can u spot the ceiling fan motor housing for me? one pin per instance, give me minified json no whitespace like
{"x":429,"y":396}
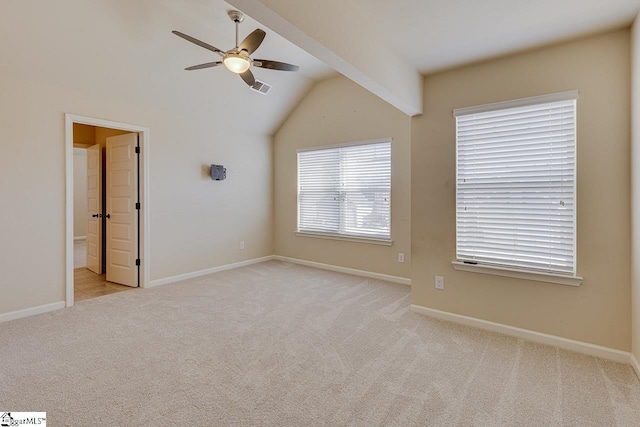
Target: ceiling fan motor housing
{"x":236,"y":16}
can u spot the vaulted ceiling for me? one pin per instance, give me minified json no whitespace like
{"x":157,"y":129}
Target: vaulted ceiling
{"x":123,"y":49}
{"x":386,"y":46}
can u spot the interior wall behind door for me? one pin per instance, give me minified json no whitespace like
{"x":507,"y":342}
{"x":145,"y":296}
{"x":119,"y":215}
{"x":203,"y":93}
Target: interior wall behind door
{"x":79,"y":192}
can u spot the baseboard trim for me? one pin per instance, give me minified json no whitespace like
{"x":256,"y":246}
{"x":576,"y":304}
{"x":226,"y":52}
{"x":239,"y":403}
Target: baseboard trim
{"x":529,"y":335}
{"x":369,"y":274}
{"x":19,"y":314}
{"x":635,"y":364}
{"x":79,"y":237}
{"x":185,"y":276}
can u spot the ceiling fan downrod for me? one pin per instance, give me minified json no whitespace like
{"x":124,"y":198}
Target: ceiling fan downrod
{"x":237,"y":17}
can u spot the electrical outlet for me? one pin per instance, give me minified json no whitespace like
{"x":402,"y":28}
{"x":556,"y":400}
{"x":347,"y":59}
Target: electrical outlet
{"x":242,"y":245}
{"x":440,"y":282}
{"x":400,"y":257}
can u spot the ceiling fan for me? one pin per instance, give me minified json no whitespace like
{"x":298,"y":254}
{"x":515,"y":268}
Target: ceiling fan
{"x":238,"y":59}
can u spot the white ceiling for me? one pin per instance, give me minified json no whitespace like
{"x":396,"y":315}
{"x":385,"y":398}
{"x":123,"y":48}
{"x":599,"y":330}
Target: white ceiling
{"x":111,"y":48}
{"x":209,"y":18}
{"x":439,"y":34}
{"x":430,"y":34}
{"x":123,"y":49}
{"x":379,"y":43}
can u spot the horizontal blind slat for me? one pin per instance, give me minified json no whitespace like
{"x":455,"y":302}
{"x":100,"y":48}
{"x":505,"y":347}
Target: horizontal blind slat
{"x":516,"y":187}
{"x":346,"y":190}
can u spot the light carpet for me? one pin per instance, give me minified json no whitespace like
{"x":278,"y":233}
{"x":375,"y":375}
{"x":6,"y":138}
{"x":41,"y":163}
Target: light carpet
{"x":287,"y":345}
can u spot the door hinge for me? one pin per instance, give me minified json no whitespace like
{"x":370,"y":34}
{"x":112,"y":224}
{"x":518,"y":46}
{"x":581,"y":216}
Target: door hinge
{"x":138,"y":205}
{"x":137,"y":150}
{"x":138,"y":261}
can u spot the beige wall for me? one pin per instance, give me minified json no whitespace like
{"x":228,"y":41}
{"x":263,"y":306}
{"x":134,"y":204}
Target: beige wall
{"x":338,"y":110}
{"x":79,"y":192}
{"x":599,"y":310}
{"x":195,"y":223}
{"x":635,"y":185}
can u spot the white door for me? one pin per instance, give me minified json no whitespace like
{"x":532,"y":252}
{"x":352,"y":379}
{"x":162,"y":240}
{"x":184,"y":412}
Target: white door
{"x":121,"y":215}
{"x":94,"y":208}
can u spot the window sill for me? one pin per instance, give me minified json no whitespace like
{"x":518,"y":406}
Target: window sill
{"x":369,"y":240}
{"x":518,"y":274}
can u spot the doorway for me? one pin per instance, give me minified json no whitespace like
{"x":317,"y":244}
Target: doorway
{"x":107,"y":230}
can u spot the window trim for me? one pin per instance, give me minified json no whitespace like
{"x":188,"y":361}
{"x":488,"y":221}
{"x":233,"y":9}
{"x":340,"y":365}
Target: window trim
{"x":517,"y":273}
{"x":346,"y":238}
{"x":515,"y":103}
{"x":337,"y":236}
{"x":570,"y":279}
{"x":345,"y":144}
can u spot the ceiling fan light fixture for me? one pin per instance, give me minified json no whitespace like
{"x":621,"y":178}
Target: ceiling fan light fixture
{"x":238,"y":59}
{"x":236,"y":63}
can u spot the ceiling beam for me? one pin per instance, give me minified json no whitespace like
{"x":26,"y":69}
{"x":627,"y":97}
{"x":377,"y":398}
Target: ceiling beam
{"x":340,"y":38}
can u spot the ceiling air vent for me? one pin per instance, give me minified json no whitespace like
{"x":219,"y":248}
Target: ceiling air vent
{"x":261,"y":87}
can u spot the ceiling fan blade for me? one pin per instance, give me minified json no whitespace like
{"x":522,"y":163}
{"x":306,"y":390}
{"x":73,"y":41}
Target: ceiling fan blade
{"x":198,"y":42}
{"x":201,"y":66}
{"x":274,"y":65}
{"x":248,"y":78}
{"x":252,"y":41}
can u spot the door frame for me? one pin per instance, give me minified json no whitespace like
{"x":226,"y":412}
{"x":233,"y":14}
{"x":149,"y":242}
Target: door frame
{"x":143,"y":174}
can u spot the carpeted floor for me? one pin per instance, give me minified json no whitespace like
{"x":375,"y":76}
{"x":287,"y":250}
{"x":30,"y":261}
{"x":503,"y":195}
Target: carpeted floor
{"x":281,"y":344}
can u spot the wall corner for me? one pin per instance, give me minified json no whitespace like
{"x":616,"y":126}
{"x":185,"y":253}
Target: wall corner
{"x":635,"y":192}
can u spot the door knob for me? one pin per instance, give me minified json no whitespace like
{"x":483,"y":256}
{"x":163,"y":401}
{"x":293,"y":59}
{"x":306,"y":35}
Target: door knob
{"x":96,"y":215}
{"x":107,"y":216}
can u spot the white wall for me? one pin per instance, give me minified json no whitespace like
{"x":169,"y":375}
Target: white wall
{"x":113,"y":60}
{"x":79,"y":192}
{"x":635,"y":189}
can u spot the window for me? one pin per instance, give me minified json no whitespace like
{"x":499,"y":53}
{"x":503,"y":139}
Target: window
{"x":516,"y":184}
{"x":345,"y":190}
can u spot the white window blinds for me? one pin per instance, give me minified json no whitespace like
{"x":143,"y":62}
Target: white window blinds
{"x":346,"y":190}
{"x":516,"y":186}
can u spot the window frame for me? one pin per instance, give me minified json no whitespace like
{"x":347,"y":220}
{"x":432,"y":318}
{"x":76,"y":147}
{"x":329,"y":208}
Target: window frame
{"x":345,"y":236}
{"x":569,"y":278}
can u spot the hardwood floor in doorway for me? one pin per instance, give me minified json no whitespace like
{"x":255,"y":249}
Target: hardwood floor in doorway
{"x":88,"y":284}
